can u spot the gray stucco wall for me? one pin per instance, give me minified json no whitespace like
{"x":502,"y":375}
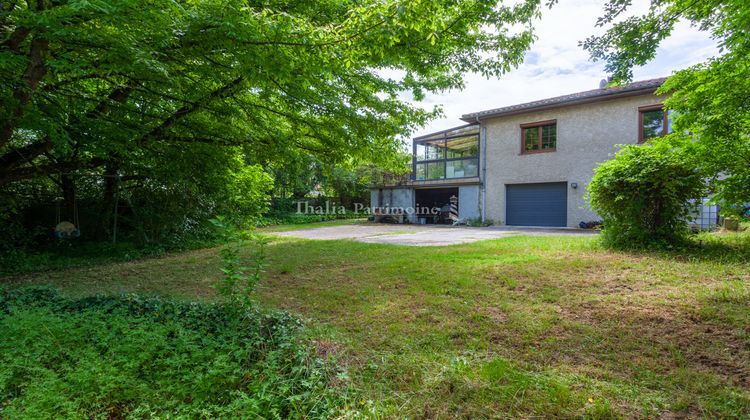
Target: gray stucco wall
{"x":586,"y":136}
{"x":374,"y":197}
{"x":393,"y":197}
{"x":468,"y":202}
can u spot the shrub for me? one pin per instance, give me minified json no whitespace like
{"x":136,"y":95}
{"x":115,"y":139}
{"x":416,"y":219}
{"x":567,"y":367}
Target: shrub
{"x":238,"y":280}
{"x":129,"y":356}
{"x":644,"y":194}
{"x":477,"y":222}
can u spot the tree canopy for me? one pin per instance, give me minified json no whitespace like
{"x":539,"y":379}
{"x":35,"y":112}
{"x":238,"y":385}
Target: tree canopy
{"x":184,"y":109}
{"x":711,"y":99}
{"x":130,"y":82}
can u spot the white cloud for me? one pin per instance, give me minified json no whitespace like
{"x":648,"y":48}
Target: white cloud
{"x":556,"y":65}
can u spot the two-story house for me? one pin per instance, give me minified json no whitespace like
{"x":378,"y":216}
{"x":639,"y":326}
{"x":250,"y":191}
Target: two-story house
{"x":527,"y":164}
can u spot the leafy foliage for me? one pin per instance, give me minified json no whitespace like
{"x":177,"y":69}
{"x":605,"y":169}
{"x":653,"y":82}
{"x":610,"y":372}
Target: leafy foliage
{"x":129,"y":356}
{"x":98,"y":81}
{"x":160,"y":104}
{"x":643,"y":195}
{"x":710,"y":99}
{"x":348,"y":182}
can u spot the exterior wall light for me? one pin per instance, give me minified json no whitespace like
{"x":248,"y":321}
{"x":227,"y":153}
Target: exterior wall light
{"x":574,"y":185}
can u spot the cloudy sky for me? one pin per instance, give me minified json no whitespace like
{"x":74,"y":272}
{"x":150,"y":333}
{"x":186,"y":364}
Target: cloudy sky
{"x":556,"y":65}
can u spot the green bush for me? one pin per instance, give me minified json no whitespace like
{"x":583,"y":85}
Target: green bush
{"x":644,"y":194}
{"x":129,"y":356}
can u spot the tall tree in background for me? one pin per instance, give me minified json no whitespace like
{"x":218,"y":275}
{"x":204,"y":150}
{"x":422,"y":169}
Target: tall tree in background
{"x":712,"y":99}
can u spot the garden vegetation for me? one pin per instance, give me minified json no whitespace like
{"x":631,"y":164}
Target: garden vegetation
{"x":711,"y":126}
{"x":126,"y":356}
{"x":646,"y":194}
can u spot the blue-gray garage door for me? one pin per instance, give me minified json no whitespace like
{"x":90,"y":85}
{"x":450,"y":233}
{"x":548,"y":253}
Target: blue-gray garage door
{"x":536,"y":204}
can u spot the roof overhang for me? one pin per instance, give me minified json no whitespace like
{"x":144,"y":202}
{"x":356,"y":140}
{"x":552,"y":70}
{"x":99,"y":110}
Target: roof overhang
{"x":564,"y":101}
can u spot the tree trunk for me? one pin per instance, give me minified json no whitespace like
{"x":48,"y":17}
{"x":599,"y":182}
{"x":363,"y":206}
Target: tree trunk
{"x":69,"y":198}
{"x":109,"y":192}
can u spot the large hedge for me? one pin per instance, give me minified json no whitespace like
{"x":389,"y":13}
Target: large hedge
{"x":644,"y":195}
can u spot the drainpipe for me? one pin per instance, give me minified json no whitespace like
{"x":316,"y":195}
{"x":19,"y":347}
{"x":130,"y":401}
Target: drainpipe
{"x":483,"y":151}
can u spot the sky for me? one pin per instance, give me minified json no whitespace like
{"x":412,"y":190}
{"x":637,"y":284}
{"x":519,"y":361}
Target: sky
{"x":556,"y":65}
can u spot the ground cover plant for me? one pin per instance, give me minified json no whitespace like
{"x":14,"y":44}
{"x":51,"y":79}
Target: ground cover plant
{"x":519,"y":326}
{"x":126,"y":356}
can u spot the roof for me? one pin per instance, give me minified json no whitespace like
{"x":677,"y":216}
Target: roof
{"x":635,"y":88}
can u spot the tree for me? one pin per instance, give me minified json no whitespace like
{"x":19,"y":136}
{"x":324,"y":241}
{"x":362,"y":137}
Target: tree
{"x":88,"y":84}
{"x":710,"y":100}
{"x":157,"y":96}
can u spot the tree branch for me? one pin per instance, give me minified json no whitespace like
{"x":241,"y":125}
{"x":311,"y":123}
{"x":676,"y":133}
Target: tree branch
{"x":30,"y":172}
{"x":13,"y":42}
{"x":35,"y":70}
{"x":16,"y":157}
{"x":188,"y":109}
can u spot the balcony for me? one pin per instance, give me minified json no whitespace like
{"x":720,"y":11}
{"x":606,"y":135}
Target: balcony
{"x":447,"y":156}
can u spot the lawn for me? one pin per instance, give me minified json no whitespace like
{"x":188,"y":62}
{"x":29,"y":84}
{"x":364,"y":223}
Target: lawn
{"x":518,"y":326}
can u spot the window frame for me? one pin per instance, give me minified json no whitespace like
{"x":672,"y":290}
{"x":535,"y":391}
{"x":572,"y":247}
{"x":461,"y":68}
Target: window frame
{"x":539,"y":124}
{"x":445,"y":159}
{"x":664,"y":123}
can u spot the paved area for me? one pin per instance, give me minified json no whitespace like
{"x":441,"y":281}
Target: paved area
{"x":421,"y":235}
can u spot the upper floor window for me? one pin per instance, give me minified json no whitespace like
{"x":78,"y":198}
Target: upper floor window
{"x":653,"y":121}
{"x":539,"y":137}
{"x":453,"y":153}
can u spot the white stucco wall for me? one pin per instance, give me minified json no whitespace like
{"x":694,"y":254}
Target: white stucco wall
{"x":586,"y":136}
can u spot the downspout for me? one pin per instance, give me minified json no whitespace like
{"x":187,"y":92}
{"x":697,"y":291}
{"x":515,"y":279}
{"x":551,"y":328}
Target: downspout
{"x":483,"y":151}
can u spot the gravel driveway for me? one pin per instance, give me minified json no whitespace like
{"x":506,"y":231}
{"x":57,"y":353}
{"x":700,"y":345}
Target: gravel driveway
{"x":421,"y":235}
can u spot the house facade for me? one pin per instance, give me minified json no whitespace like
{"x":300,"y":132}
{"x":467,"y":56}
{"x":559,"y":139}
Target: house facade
{"x":526,"y":164}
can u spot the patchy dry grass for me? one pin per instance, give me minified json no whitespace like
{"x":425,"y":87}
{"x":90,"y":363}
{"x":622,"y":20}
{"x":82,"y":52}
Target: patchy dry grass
{"x":519,"y":326}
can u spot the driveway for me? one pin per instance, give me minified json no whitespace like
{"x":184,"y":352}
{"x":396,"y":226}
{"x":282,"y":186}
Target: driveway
{"x":422,"y":235}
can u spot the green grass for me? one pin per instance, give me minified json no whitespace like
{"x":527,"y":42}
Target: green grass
{"x":65,"y":254}
{"x":518,"y":326}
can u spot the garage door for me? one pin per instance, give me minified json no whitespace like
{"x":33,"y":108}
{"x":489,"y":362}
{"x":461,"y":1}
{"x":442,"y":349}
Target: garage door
{"x":537,"y":204}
